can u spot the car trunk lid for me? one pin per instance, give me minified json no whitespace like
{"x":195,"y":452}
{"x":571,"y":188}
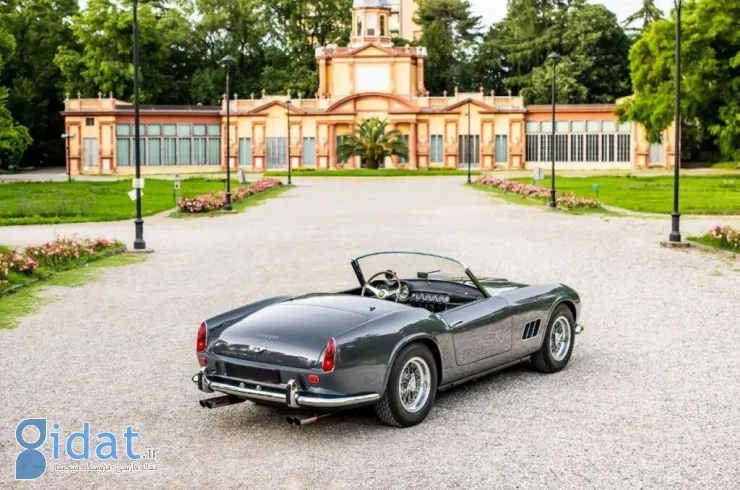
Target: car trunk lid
{"x":290,"y":334}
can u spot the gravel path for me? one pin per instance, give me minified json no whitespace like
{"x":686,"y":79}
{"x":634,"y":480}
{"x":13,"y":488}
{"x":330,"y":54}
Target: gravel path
{"x":650,"y":399}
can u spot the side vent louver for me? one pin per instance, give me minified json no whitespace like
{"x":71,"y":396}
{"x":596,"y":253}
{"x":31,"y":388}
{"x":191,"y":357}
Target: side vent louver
{"x":531,"y":330}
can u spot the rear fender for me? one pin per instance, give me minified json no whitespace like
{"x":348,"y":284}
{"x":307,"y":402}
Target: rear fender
{"x":427,"y":339}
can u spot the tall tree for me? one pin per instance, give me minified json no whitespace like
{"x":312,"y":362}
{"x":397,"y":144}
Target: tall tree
{"x":710,"y":74}
{"x":39,"y":27}
{"x":647,"y":14}
{"x":531,"y":30}
{"x":239,"y":28}
{"x":103,"y":60}
{"x":595,"y":66}
{"x":296,"y":28}
{"x":449,"y":32}
{"x":14,"y":138}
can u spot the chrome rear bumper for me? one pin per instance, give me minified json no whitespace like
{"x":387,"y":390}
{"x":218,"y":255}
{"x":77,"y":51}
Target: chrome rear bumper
{"x":290,"y":396}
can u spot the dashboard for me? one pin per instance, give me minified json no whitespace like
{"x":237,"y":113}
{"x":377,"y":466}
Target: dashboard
{"x":432,"y":295}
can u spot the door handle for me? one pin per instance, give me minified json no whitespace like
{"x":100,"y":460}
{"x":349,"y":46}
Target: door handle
{"x":459,"y":322}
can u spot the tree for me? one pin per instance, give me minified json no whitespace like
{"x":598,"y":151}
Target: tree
{"x":710,"y":74}
{"x":14,"y":138}
{"x":35,"y":96}
{"x":593,"y":46}
{"x":531,"y":30}
{"x":372,"y":142}
{"x":647,"y":14}
{"x":449,"y":32}
{"x":104,"y":62}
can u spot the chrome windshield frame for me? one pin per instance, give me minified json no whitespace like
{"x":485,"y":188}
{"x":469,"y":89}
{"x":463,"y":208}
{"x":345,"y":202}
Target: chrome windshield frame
{"x":360,"y":277}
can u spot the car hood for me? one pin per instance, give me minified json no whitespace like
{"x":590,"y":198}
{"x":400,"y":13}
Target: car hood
{"x":294,"y":333}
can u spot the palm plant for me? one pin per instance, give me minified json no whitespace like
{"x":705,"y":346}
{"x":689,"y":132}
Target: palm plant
{"x":373,"y":142}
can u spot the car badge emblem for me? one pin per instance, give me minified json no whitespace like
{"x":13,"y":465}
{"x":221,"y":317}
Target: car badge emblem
{"x":381,"y":293}
{"x":256,"y":348}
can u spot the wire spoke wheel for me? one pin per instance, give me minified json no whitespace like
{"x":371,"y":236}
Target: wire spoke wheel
{"x":414,"y":384}
{"x":560,"y":338}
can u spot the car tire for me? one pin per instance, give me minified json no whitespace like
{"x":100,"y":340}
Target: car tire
{"x":401,"y":406}
{"x":554,"y":355}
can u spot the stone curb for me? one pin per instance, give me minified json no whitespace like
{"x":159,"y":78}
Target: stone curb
{"x":699,"y":246}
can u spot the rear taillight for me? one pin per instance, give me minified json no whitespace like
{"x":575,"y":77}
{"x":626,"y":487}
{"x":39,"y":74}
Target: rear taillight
{"x":329,"y":354}
{"x":200,"y":343}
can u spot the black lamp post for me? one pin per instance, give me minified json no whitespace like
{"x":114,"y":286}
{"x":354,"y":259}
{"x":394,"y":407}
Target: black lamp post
{"x":227,"y":61}
{"x":139,"y":243}
{"x":66,"y":137}
{"x":555,"y":57}
{"x":675,"y":235}
{"x":289,"y":163}
{"x":469,"y":138}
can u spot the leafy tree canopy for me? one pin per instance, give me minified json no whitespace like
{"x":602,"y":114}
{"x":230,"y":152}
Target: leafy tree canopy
{"x":710,"y":74}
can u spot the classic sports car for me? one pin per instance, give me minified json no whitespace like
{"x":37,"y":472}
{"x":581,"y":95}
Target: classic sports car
{"x":417,"y":324}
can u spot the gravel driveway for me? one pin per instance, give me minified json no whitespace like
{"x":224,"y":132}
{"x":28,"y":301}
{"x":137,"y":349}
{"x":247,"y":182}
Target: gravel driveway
{"x":650,"y":399}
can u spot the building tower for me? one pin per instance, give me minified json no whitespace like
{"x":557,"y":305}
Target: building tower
{"x":371,"y":23}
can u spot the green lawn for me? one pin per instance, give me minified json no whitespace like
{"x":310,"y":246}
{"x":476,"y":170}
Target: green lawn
{"x":28,"y":299}
{"x":715,"y":194}
{"x":26,"y":203}
{"x":363,"y":172}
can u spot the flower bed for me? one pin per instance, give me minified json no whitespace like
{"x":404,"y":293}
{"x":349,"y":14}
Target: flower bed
{"x":724,"y":237}
{"x":212,"y":202}
{"x":19,"y":266}
{"x":530,"y":191}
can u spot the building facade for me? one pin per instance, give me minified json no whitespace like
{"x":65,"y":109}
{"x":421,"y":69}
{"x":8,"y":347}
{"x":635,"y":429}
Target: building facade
{"x":368,"y":78}
{"x":402,"y":19}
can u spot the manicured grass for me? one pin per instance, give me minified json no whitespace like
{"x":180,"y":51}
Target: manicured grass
{"x":28,"y":300}
{"x":525,"y":201}
{"x":363,"y":172}
{"x":715,"y":194}
{"x":28,"y":203}
{"x":238,"y":206}
{"x":727,"y":165}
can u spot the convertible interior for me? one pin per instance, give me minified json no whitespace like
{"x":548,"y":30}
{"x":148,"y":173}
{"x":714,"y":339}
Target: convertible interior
{"x":435,"y":295}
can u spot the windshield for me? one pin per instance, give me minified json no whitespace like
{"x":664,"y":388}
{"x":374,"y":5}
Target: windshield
{"x":412,"y":265}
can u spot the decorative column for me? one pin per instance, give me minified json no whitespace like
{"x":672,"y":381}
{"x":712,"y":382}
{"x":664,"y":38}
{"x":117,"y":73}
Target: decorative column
{"x":322,"y":77}
{"x":420,"y":76}
{"x":332,"y":146}
{"x":413,"y":163}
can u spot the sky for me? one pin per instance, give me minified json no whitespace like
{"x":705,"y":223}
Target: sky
{"x":494,"y":10}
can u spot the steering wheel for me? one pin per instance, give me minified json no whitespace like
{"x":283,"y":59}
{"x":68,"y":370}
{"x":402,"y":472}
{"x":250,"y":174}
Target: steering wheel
{"x":382,"y":293}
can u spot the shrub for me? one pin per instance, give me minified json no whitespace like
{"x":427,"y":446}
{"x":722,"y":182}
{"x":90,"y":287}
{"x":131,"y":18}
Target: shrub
{"x":211,"y":202}
{"x":536,"y":192}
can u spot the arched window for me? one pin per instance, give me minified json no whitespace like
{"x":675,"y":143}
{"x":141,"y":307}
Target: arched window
{"x":382,"y":25}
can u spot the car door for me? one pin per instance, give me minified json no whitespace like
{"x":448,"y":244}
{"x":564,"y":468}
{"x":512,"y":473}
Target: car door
{"x":480,"y":330}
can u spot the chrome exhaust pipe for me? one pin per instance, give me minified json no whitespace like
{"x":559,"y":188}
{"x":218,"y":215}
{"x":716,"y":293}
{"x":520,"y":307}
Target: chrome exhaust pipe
{"x":579,"y":328}
{"x":220,"y":401}
{"x":310,"y":420}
